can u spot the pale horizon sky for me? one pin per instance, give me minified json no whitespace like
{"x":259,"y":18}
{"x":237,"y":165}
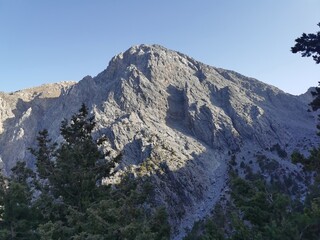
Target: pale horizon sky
{"x":52,"y":41}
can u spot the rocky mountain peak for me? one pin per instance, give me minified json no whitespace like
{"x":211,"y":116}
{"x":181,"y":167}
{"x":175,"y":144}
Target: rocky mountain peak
{"x":183,"y":117}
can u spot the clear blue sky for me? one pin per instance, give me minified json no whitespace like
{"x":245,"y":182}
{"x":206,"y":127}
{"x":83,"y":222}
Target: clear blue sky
{"x":44,"y":41}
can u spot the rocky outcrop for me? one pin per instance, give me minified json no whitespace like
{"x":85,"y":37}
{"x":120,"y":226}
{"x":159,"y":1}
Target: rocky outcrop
{"x":161,"y":107}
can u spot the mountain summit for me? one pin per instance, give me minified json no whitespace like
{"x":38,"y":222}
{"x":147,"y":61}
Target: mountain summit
{"x":184,"y":118}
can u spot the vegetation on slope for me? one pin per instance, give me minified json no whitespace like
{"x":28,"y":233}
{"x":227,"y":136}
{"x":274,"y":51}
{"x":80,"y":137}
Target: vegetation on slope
{"x":65,"y":198}
{"x":260,"y":209}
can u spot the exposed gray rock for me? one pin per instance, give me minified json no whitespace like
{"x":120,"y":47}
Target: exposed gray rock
{"x":161,"y":106}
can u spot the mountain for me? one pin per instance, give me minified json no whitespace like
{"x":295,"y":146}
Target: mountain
{"x":182,"y":118}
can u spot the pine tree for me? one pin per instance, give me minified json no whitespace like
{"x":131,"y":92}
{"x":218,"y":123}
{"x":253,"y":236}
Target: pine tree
{"x":308,"y":45}
{"x":80,"y":166}
{"x":19,"y":219}
{"x":44,"y":155}
{"x":65,"y":197}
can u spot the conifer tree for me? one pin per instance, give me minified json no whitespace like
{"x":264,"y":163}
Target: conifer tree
{"x":65,"y":198}
{"x":72,"y":171}
{"x":19,"y":219}
{"x":308,"y":45}
{"x":44,"y":155}
{"x":80,"y":166}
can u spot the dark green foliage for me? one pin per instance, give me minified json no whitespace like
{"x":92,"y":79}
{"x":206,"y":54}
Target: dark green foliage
{"x":242,"y":164}
{"x":259,"y":211}
{"x":73,"y":171}
{"x":207,"y":230}
{"x":3,"y":187}
{"x":212,"y":228}
{"x":125,"y":215}
{"x":297,"y":157}
{"x":259,"y":205}
{"x":311,"y":163}
{"x":315,"y":104}
{"x":44,"y":155}
{"x":19,"y":218}
{"x":65,"y":198}
{"x":122,"y":213}
{"x":281,"y":153}
{"x":308,"y":45}
{"x":233,"y":160}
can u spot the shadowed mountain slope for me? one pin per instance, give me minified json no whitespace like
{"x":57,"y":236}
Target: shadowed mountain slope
{"x":164,"y":108}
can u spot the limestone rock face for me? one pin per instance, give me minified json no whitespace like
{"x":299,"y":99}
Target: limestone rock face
{"x":161,"y":107}
{"x":22,"y":114}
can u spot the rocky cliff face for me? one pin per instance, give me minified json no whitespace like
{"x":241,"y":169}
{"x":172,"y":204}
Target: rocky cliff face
{"x":183,"y":118}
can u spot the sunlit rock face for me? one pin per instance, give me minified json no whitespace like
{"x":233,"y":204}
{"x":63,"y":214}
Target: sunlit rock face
{"x":182,"y":117}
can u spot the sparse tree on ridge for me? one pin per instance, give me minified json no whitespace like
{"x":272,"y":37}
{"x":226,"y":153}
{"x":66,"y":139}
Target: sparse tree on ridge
{"x":308,"y":45}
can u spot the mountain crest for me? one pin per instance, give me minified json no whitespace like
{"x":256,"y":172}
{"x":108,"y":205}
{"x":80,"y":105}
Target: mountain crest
{"x":160,"y":106}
